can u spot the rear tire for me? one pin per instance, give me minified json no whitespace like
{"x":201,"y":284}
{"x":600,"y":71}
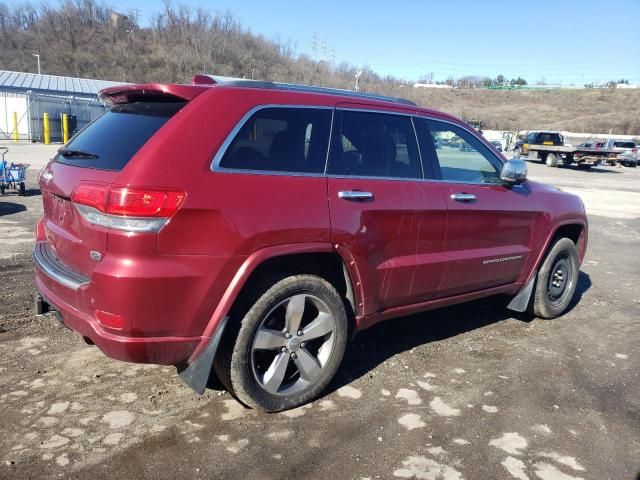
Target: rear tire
{"x":556,"y":280}
{"x":287,"y":347}
{"x":551,"y":160}
{"x":22,"y":190}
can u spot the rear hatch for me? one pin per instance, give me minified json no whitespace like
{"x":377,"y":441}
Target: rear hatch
{"x":81,"y":175}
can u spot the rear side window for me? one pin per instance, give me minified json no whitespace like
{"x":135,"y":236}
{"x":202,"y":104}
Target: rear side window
{"x":624,"y":145}
{"x":281,"y":139}
{"x":375,"y":145}
{"x":113,"y":139}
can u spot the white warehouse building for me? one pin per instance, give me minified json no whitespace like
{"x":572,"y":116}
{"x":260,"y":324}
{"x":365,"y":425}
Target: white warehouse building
{"x":30,"y":95}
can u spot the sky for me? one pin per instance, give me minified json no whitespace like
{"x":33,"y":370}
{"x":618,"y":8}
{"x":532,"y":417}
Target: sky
{"x":558,"y":41}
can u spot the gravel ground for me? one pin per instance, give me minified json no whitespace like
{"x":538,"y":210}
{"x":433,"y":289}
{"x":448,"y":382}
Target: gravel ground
{"x":470,"y":391}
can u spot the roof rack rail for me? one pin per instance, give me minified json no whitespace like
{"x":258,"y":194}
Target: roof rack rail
{"x":201,"y":79}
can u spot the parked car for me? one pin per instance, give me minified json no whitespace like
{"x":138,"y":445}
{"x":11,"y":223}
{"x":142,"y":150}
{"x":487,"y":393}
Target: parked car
{"x":537,"y":138}
{"x":497,"y":144}
{"x":628,"y":157}
{"x":252,"y":243}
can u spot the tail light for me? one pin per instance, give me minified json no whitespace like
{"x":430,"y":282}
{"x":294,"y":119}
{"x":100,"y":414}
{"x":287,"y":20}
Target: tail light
{"x":125,"y":208}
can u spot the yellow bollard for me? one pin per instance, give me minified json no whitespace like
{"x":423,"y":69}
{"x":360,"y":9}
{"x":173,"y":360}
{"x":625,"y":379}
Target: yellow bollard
{"x":47,"y":133}
{"x":15,"y":127}
{"x":65,"y":128}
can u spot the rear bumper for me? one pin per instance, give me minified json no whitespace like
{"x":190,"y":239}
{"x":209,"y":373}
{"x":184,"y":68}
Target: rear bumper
{"x":70,"y":295}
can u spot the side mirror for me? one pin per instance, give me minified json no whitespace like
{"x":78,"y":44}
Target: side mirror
{"x":514,"y":172}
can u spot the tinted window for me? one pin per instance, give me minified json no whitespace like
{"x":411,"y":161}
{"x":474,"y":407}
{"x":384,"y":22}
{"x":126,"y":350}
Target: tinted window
{"x":624,"y":145}
{"x":115,"y":137}
{"x":281,"y":140}
{"x":461,"y":156}
{"x":548,"y":137}
{"x":375,"y":145}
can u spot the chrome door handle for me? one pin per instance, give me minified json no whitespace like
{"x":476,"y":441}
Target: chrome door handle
{"x":355,"y":195}
{"x":463,"y":197}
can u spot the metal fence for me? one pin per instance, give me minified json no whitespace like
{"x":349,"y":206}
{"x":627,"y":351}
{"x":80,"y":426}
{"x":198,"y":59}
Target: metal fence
{"x":31,"y":107}
{"x":84,"y":111}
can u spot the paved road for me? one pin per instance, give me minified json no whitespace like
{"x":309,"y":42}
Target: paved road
{"x":469,"y":392}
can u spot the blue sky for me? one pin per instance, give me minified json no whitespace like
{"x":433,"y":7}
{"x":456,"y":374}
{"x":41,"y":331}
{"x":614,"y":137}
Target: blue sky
{"x":560,"y":41}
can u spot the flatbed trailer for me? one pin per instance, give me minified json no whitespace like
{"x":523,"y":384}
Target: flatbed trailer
{"x":584,"y":157}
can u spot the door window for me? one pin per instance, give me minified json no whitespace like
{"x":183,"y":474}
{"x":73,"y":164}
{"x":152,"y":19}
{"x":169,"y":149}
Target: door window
{"x":281,"y":139}
{"x":461,"y":156}
{"x":375,"y":145}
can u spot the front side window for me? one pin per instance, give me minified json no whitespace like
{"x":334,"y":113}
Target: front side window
{"x":461,"y":156}
{"x":375,"y":145}
{"x":281,"y":139}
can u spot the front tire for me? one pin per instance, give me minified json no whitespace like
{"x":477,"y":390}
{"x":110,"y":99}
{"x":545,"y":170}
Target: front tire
{"x":288,"y":346}
{"x":556,"y":280}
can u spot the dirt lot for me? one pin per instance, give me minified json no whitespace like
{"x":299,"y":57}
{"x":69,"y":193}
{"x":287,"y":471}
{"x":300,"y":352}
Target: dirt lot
{"x":468,"y":392}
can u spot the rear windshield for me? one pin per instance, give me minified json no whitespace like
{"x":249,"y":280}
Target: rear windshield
{"x":113,"y":139}
{"x":548,"y":137}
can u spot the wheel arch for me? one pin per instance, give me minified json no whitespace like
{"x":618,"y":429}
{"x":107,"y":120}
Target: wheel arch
{"x":314,"y":258}
{"x":574,"y":229}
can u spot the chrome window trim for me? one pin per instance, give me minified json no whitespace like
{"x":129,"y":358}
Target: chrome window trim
{"x":215,"y":164}
{"x":326,"y":158}
{"x":415,"y":134}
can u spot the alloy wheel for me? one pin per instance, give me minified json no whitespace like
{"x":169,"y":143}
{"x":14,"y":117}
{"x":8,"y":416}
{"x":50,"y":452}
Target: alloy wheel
{"x":292,"y":344}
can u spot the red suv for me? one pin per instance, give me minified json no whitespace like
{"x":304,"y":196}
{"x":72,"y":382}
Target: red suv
{"x":246,"y":230}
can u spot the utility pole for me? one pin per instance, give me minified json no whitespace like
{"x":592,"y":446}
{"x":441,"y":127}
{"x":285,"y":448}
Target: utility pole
{"x":37,"y":55}
{"x":324,"y":50}
{"x":333,"y":57}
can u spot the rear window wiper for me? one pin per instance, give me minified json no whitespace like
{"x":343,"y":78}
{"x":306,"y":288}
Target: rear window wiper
{"x":70,"y":152}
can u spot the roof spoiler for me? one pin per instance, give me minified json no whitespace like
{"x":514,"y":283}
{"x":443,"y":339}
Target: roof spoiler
{"x":150,"y":92}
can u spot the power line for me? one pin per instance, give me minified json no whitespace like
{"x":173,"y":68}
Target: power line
{"x":314,"y":47}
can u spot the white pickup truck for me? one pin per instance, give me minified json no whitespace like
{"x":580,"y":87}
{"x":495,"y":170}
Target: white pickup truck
{"x":626,"y":152}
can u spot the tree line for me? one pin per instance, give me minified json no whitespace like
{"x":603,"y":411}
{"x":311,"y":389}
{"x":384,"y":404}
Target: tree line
{"x":85,"y":38}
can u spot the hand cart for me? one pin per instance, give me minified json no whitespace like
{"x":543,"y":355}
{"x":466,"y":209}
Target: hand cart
{"x":12,"y":175}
